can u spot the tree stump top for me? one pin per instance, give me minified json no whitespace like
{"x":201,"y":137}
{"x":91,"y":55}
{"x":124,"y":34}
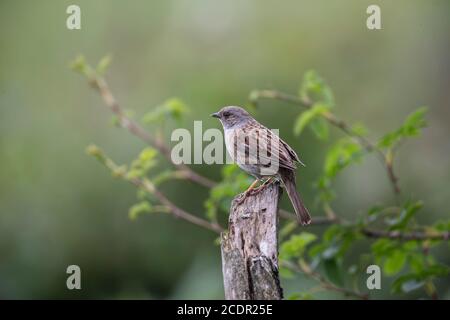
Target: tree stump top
{"x":250,"y":247}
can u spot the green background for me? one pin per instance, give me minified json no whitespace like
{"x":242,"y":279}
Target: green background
{"x":59,"y":207}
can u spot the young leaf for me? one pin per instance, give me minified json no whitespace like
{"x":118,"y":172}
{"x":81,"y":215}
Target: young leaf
{"x":103,"y":64}
{"x":138,"y":209}
{"x":394,"y":262}
{"x":296,"y":245}
{"x":319,"y":127}
{"x":308,"y":116}
{"x":234,"y":181}
{"x":333,"y":271}
{"x":342,"y":154}
{"x":172,"y":108}
{"x":414,"y":122}
{"x":359,"y":129}
{"x":286,"y":273}
{"x":410,"y":127}
{"x":314,"y":89}
{"x":383,"y":247}
{"x":301,"y":296}
{"x":407,"y":283}
{"x":145,"y":161}
{"x":408,"y":211}
{"x":80,"y":65}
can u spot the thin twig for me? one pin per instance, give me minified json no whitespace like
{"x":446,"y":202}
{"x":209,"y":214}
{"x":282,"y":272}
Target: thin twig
{"x":150,"y":188}
{"x":342,"y":125}
{"x":413,"y":235}
{"x":305,"y":268}
{"x":372,"y":233}
{"x":175,"y":210}
{"x":133,"y":127}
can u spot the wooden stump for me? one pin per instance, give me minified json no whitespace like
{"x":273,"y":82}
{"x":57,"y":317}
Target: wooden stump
{"x":250,"y":247}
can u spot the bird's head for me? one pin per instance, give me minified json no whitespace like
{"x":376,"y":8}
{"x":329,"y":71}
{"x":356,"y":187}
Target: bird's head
{"x":232,"y":117}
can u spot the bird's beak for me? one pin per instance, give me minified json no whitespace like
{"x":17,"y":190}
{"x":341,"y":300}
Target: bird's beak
{"x":215,"y":115}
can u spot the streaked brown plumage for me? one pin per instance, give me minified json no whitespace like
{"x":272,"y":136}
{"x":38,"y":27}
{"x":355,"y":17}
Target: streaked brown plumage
{"x":261,"y":153}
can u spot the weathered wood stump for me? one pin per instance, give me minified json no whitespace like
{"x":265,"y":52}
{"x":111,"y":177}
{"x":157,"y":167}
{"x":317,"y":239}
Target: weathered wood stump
{"x":250,"y":247}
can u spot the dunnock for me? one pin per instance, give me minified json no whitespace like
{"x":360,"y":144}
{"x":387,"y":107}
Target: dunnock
{"x":261,"y":153}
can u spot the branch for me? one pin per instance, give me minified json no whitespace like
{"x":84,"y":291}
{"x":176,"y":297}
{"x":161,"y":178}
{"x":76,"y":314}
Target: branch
{"x":405,"y":236}
{"x":150,"y":188}
{"x":371,"y":233}
{"x":307,"y":269}
{"x":97,"y":82}
{"x":338,"y":123}
{"x":174,"y":209}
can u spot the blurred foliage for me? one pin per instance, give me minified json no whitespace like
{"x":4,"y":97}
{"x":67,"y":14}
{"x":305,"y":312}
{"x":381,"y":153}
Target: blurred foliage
{"x":393,"y":255}
{"x":410,"y":128}
{"x":58,"y":209}
{"x":306,"y":252}
{"x":234,"y":180}
{"x":171,"y":109}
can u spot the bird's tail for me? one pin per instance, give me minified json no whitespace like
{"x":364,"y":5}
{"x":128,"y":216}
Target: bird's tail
{"x":302,"y":213}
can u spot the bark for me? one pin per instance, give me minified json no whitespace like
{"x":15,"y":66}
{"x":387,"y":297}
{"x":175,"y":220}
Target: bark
{"x":250,"y":247}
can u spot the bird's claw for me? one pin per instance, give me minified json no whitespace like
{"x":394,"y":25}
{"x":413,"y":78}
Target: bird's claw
{"x":240,"y":199}
{"x":253,"y":192}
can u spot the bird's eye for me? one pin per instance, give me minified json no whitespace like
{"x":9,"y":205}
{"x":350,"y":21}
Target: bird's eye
{"x":226,"y":114}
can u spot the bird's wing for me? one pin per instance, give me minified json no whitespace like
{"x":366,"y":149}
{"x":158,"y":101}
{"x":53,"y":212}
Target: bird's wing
{"x":292,"y":153}
{"x":255,"y":144}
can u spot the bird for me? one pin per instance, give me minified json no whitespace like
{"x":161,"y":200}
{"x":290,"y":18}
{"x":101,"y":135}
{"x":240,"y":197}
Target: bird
{"x":262,"y":154}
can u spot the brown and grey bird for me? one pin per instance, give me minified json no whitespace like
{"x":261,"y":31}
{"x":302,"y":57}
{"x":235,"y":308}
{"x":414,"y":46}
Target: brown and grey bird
{"x":261,"y":153}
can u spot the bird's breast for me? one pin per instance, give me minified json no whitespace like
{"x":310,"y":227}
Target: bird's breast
{"x":229,"y":142}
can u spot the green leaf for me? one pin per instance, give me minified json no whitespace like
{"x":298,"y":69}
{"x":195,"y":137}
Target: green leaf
{"x":407,"y":283}
{"x":314,"y":89}
{"x":138,"y":209}
{"x":333,"y":272}
{"x":145,"y":161}
{"x":410,"y":127}
{"x":408,"y":211}
{"x":359,"y":129}
{"x":80,"y":65}
{"x":353,"y":269}
{"x":411,"y":285}
{"x":435,"y":270}
{"x":301,"y":296}
{"x":442,"y":225}
{"x":319,"y":127}
{"x":414,"y":122}
{"x":163,"y":176}
{"x":296,"y":245}
{"x":332,"y":232}
{"x":394,"y":262}
{"x":103,"y":64}
{"x":286,"y":273}
{"x":234,"y":181}
{"x":382,"y":248}
{"x":308,"y":116}
{"x":317,"y":249}
{"x":388,"y":140}
{"x":330,"y":252}
{"x":172,"y":108}
{"x":342,"y":154}
{"x":374,"y":212}
{"x":416,"y":262}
